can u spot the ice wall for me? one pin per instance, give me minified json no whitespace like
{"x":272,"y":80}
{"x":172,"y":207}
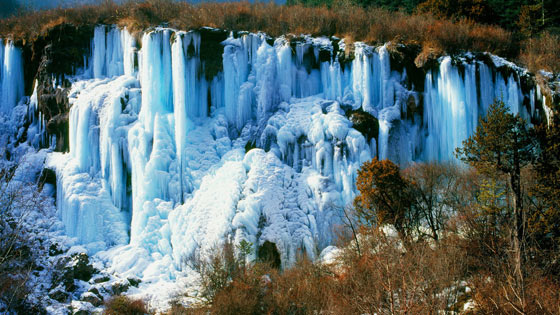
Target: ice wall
{"x":173,"y":162}
{"x":11,"y":76}
{"x":113,"y":52}
{"x":93,"y":196}
{"x":454,"y":100}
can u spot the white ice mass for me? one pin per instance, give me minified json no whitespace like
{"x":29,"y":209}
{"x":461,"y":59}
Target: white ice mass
{"x":165,"y":161}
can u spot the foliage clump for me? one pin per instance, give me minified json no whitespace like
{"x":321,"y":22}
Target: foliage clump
{"x":372,"y":25}
{"x":123,"y":305}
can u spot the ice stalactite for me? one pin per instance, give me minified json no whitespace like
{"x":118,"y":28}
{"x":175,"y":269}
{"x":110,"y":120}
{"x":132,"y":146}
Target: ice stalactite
{"x":371,"y":78}
{"x":36,"y":132}
{"x":265,"y":150}
{"x":454,"y":101}
{"x":92,"y":189}
{"x":155,"y":77}
{"x":11,"y":76}
{"x":180,"y":101}
{"x":113,"y":52}
{"x":239,"y":59}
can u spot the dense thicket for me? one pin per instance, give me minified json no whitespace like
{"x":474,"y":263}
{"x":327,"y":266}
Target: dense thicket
{"x":430,"y":32}
{"x":521,"y":15}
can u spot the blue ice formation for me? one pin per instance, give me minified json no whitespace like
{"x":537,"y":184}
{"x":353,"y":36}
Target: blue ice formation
{"x":169,"y":162}
{"x":11,"y":76}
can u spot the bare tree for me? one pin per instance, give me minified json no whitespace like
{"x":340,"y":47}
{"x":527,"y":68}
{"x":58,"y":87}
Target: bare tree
{"x":18,"y":201}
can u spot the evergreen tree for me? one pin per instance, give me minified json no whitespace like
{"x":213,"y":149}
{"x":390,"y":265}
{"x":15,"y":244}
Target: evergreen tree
{"x":502,"y":146}
{"x":544,"y":221}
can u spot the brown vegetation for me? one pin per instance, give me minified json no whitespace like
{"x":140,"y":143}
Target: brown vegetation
{"x":434,"y":34}
{"x":372,"y":25}
{"x":459,"y":248}
{"x":542,"y":52}
{"x":122,"y":305}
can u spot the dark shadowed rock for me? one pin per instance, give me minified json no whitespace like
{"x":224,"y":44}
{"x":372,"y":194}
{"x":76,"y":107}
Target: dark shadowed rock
{"x":268,"y":253}
{"x":91,"y":298}
{"x":58,"y":294}
{"x":365,"y":123}
{"x":120,"y":287}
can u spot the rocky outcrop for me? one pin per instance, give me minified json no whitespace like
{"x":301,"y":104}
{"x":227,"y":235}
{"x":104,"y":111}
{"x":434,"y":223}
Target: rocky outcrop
{"x":48,"y":60}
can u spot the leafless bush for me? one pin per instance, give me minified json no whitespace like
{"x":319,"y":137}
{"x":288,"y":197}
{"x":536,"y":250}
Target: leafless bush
{"x":388,"y":278}
{"x":216,"y":269}
{"x":122,"y":305}
{"x":18,"y":253}
{"x":373,"y":25}
{"x":500,"y":292}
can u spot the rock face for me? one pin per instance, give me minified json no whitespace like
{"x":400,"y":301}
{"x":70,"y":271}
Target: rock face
{"x":49,"y":59}
{"x":365,"y":123}
{"x":75,"y":267}
{"x":91,"y":298}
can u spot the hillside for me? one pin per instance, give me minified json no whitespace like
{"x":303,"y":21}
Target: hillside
{"x":261,"y":158}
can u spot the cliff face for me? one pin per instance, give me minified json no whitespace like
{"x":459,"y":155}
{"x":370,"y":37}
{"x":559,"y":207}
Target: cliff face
{"x":57,"y":55}
{"x":176,"y":140}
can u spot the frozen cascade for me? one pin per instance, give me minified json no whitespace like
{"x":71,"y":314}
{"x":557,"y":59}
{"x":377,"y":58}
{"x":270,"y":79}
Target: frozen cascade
{"x":454,"y":101}
{"x":91,"y":189}
{"x":113,"y":52}
{"x":371,"y":72}
{"x":11,"y":76}
{"x":168,"y":162}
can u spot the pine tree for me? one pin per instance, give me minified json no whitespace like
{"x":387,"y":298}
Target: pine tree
{"x":502,"y":146}
{"x":544,"y":222}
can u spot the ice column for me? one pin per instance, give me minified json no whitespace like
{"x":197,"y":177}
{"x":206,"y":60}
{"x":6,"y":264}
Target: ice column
{"x":152,"y":140}
{"x":451,"y":104}
{"x":113,"y":52}
{"x":189,"y":90}
{"x":237,"y":61}
{"x":371,"y":78}
{"x":155,"y":77}
{"x":11,"y":77}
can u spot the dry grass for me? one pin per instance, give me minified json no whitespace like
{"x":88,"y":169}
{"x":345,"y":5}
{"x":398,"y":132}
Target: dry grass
{"x":383,"y":280}
{"x":122,"y":305}
{"x":542,"y":52}
{"x":372,"y":25}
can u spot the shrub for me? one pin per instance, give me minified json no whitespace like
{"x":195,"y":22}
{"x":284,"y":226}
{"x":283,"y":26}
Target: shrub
{"x":20,"y":244}
{"x":500,"y":293}
{"x":387,"y":279}
{"x":542,"y":52}
{"x":218,"y":268}
{"x":123,"y":305}
{"x":373,"y":25}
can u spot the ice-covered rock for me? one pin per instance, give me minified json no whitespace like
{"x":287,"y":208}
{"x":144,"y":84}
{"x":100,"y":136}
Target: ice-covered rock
{"x":165,"y":162}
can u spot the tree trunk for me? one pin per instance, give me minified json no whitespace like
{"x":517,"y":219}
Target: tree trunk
{"x":519,"y":223}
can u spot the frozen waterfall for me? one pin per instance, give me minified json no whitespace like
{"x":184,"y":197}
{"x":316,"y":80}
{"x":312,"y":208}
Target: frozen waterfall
{"x":11,"y":76}
{"x":168,"y":161}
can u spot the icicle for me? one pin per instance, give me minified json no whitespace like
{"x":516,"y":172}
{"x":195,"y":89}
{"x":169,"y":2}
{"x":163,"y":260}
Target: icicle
{"x":155,"y":77}
{"x":129,"y":52}
{"x":180,"y":103}
{"x":11,"y":77}
{"x":99,"y":52}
